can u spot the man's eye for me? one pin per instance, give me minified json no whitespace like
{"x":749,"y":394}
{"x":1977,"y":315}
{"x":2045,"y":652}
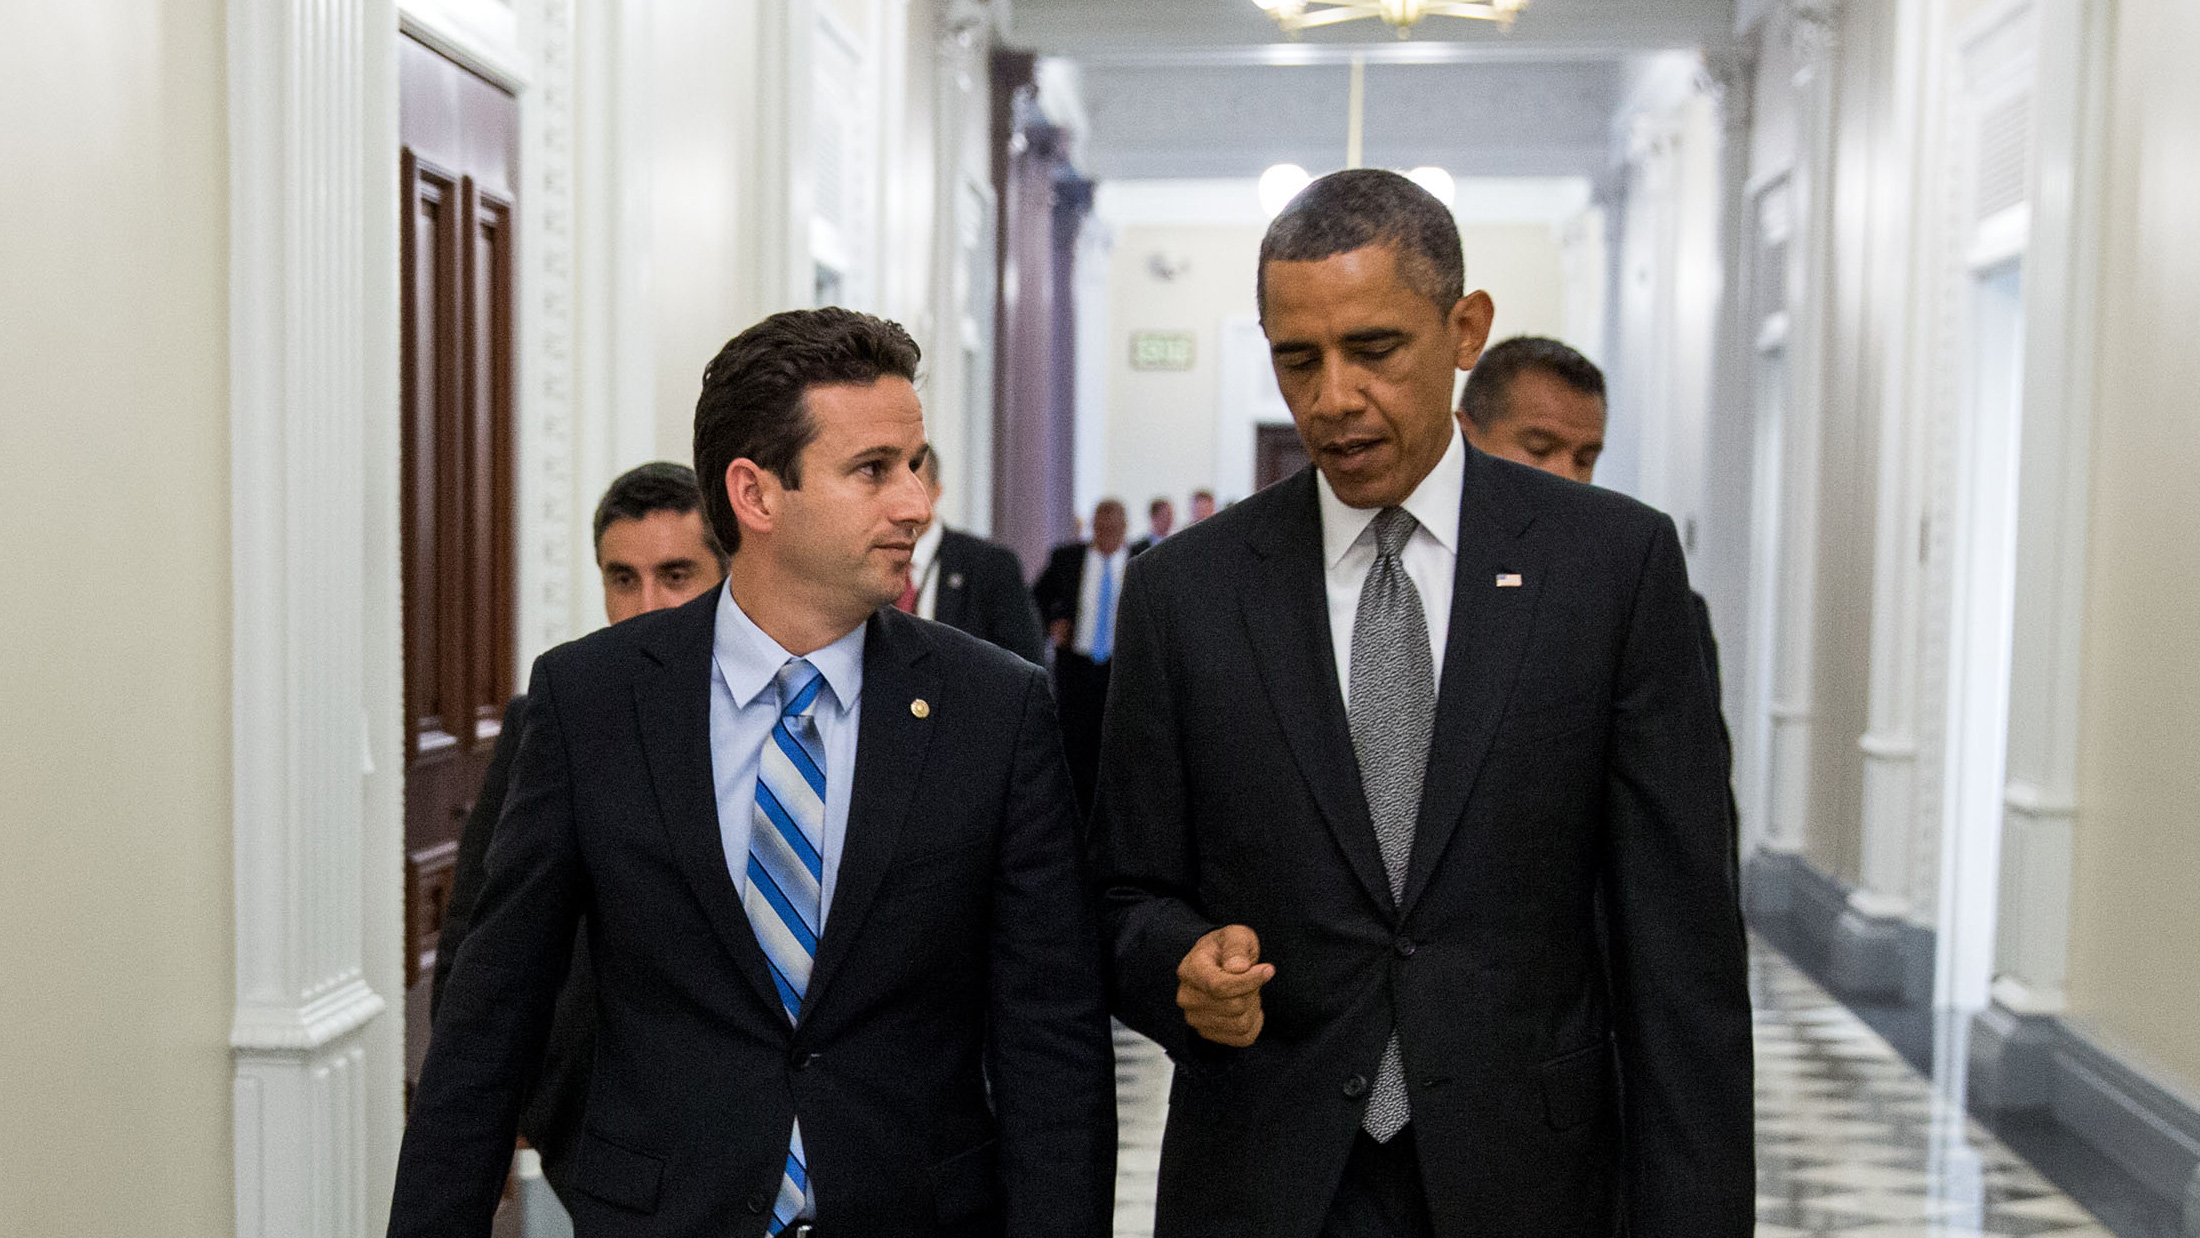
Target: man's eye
{"x":677,"y":575}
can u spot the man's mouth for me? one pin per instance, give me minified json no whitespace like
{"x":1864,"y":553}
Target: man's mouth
{"x":1348,"y":450}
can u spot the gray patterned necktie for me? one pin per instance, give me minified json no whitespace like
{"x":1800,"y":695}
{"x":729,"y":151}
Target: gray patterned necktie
{"x":1392,"y":712}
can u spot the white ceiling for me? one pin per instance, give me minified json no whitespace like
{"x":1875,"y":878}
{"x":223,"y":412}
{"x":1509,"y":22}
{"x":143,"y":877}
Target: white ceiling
{"x":1210,"y":88}
{"x":1085,"y":27}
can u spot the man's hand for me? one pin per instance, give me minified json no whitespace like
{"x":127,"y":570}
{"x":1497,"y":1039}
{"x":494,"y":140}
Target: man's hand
{"x":1060,"y":633}
{"x":1218,"y":985}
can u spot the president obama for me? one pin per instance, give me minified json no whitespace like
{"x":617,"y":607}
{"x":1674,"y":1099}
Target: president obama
{"x":1381,"y":740}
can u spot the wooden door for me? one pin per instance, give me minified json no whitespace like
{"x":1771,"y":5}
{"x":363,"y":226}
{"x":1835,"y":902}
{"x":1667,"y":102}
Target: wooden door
{"x":1278,"y":452}
{"x":460,"y":137}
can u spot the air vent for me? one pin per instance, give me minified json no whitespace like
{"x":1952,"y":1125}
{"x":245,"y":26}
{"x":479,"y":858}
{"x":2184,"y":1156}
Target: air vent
{"x":2004,"y":150}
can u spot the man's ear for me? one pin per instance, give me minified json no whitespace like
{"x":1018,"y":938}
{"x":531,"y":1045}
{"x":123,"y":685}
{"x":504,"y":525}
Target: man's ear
{"x":1471,"y":316}
{"x":755,"y":495}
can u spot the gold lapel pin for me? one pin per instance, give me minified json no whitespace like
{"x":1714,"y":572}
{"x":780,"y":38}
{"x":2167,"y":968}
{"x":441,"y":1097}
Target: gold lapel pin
{"x":920,"y":708}
{"x":1508,"y":580}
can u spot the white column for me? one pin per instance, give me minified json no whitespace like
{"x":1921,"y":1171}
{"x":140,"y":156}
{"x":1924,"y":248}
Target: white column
{"x":2061,"y":265}
{"x":1908,"y":284}
{"x":313,"y":339}
{"x":1811,"y":26}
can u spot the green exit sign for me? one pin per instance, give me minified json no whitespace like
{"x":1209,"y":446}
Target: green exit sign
{"x":1161,"y":350}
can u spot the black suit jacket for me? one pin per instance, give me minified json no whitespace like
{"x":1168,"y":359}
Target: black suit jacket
{"x":980,"y":590}
{"x":951,"y":1067}
{"x":1562,"y":1082}
{"x":551,"y":1119}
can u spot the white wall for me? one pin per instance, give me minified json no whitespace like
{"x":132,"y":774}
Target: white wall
{"x":114,"y":474}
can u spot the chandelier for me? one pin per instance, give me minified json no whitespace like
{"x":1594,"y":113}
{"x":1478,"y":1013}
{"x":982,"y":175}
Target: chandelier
{"x":1400,"y":15}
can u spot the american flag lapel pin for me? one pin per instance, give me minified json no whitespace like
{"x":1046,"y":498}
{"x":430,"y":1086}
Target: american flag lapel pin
{"x":1508,"y":580}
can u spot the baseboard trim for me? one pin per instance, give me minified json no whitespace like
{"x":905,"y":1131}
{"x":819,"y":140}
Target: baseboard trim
{"x":1859,"y":958}
{"x":2142,"y":1124}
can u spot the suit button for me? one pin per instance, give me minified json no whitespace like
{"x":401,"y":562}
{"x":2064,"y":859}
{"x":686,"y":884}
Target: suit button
{"x":757,"y":1203}
{"x":1404,"y":947}
{"x":803,"y":1061}
{"x":1356,"y":1086}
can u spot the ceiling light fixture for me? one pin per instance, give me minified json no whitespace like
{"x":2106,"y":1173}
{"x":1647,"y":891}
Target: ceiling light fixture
{"x":1399,"y":15}
{"x":1438,"y":182}
{"x":1279,"y":184}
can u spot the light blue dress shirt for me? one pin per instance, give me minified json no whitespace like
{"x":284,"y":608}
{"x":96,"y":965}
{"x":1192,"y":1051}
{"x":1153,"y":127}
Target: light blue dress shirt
{"x":743,"y":709}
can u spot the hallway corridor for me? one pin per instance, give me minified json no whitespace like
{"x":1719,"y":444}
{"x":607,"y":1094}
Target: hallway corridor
{"x":1850,"y":1140}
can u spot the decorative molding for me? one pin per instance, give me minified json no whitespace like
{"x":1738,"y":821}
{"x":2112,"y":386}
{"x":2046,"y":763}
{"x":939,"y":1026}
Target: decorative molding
{"x":313,"y":394}
{"x":547,"y":305}
{"x":1813,"y":30}
{"x":302,"y":1029}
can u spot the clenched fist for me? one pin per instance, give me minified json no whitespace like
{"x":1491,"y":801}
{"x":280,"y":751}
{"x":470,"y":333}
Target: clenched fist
{"x":1218,"y":986}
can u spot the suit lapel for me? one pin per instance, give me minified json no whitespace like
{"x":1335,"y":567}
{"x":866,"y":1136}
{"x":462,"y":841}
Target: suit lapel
{"x":1482,"y":653}
{"x":672,"y":701}
{"x":890,"y":746}
{"x":1286,"y":612}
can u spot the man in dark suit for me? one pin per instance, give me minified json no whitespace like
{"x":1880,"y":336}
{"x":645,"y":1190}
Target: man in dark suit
{"x":1160,"y":519}
{"x":969,"y":583}
{"x":1077,"y":594}
{"x":1381,"y":738}
{"x":848,"y":976}
{"x":1538,"y":402}
{"x":653,"y":552}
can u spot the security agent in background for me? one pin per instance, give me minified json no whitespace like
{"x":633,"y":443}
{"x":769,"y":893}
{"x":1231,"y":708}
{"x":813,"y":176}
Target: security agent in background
{"x":654,"y":552}
{"x":1538,"y":402}
{"x":848,"y":978}
{"x":1077,"y":593}
{"x":1160,"y":520}
{"x":969,"y":583}
{"x":1381,"y":738}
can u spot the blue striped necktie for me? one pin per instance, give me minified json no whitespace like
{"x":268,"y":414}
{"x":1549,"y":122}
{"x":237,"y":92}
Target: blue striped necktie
{"x":786,"y":874}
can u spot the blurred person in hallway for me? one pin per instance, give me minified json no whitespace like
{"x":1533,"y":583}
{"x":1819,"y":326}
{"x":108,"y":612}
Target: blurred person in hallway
{"x":969,"y":583}
{"x":1077,"y":595}
{"x":1160,"y":519}
{"x":1381,"y":736}
{"x":653,"y":551}
{"x":1203,"y":505}
{"x":848,"y":975}
{"x":1538,"y":402}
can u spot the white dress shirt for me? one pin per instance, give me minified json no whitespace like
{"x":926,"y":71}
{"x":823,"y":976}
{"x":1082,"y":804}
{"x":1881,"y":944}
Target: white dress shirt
{"x":1088,"y":595}
{"x":1429,"y":557}
{"x":744,"y":708}
{"x":924,"y":568}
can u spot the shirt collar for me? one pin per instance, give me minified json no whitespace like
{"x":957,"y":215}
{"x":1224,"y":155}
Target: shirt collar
{"x":1434,"y":504}
{"x":747,"y":659}
{"x":928,"y":548}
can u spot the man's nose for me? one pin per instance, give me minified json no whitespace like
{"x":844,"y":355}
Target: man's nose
{"x":912,"y":501}
{"x":655,"y":596}
{"x":1339,"y":392}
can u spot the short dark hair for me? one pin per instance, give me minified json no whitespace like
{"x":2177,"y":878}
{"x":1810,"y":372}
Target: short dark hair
{"x":1491,"y":379}
{"x":1359,"y":207}
{"x":645,"y":489}
{"x":1160,"y":503}
{"x":752,"y":406}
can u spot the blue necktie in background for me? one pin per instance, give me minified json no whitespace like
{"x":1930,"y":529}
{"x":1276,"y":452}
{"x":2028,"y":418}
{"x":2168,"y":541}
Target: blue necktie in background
{"x":786,"y":873}
{"x":1103,"y":613}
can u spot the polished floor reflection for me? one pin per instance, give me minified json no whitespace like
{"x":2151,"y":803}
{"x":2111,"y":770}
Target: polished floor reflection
{"x":1850,"y":1139}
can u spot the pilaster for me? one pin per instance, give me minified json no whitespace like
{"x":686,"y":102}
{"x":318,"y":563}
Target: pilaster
{"x":313,"y":348}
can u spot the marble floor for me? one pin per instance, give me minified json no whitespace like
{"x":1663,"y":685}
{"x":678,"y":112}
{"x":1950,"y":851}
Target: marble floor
{"x":1850,"y":1139}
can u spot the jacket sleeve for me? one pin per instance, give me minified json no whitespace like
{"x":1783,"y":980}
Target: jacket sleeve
{"x":1049,"y":1058}
{"x":1055,"y":591}
{"x":494,"y":1019}
{"x":473,"y":849}
{"x":1678,"y":961}
{"x":1145,"y":857}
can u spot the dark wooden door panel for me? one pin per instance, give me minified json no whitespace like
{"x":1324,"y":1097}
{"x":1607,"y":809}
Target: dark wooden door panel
{"x":459,"y":137}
